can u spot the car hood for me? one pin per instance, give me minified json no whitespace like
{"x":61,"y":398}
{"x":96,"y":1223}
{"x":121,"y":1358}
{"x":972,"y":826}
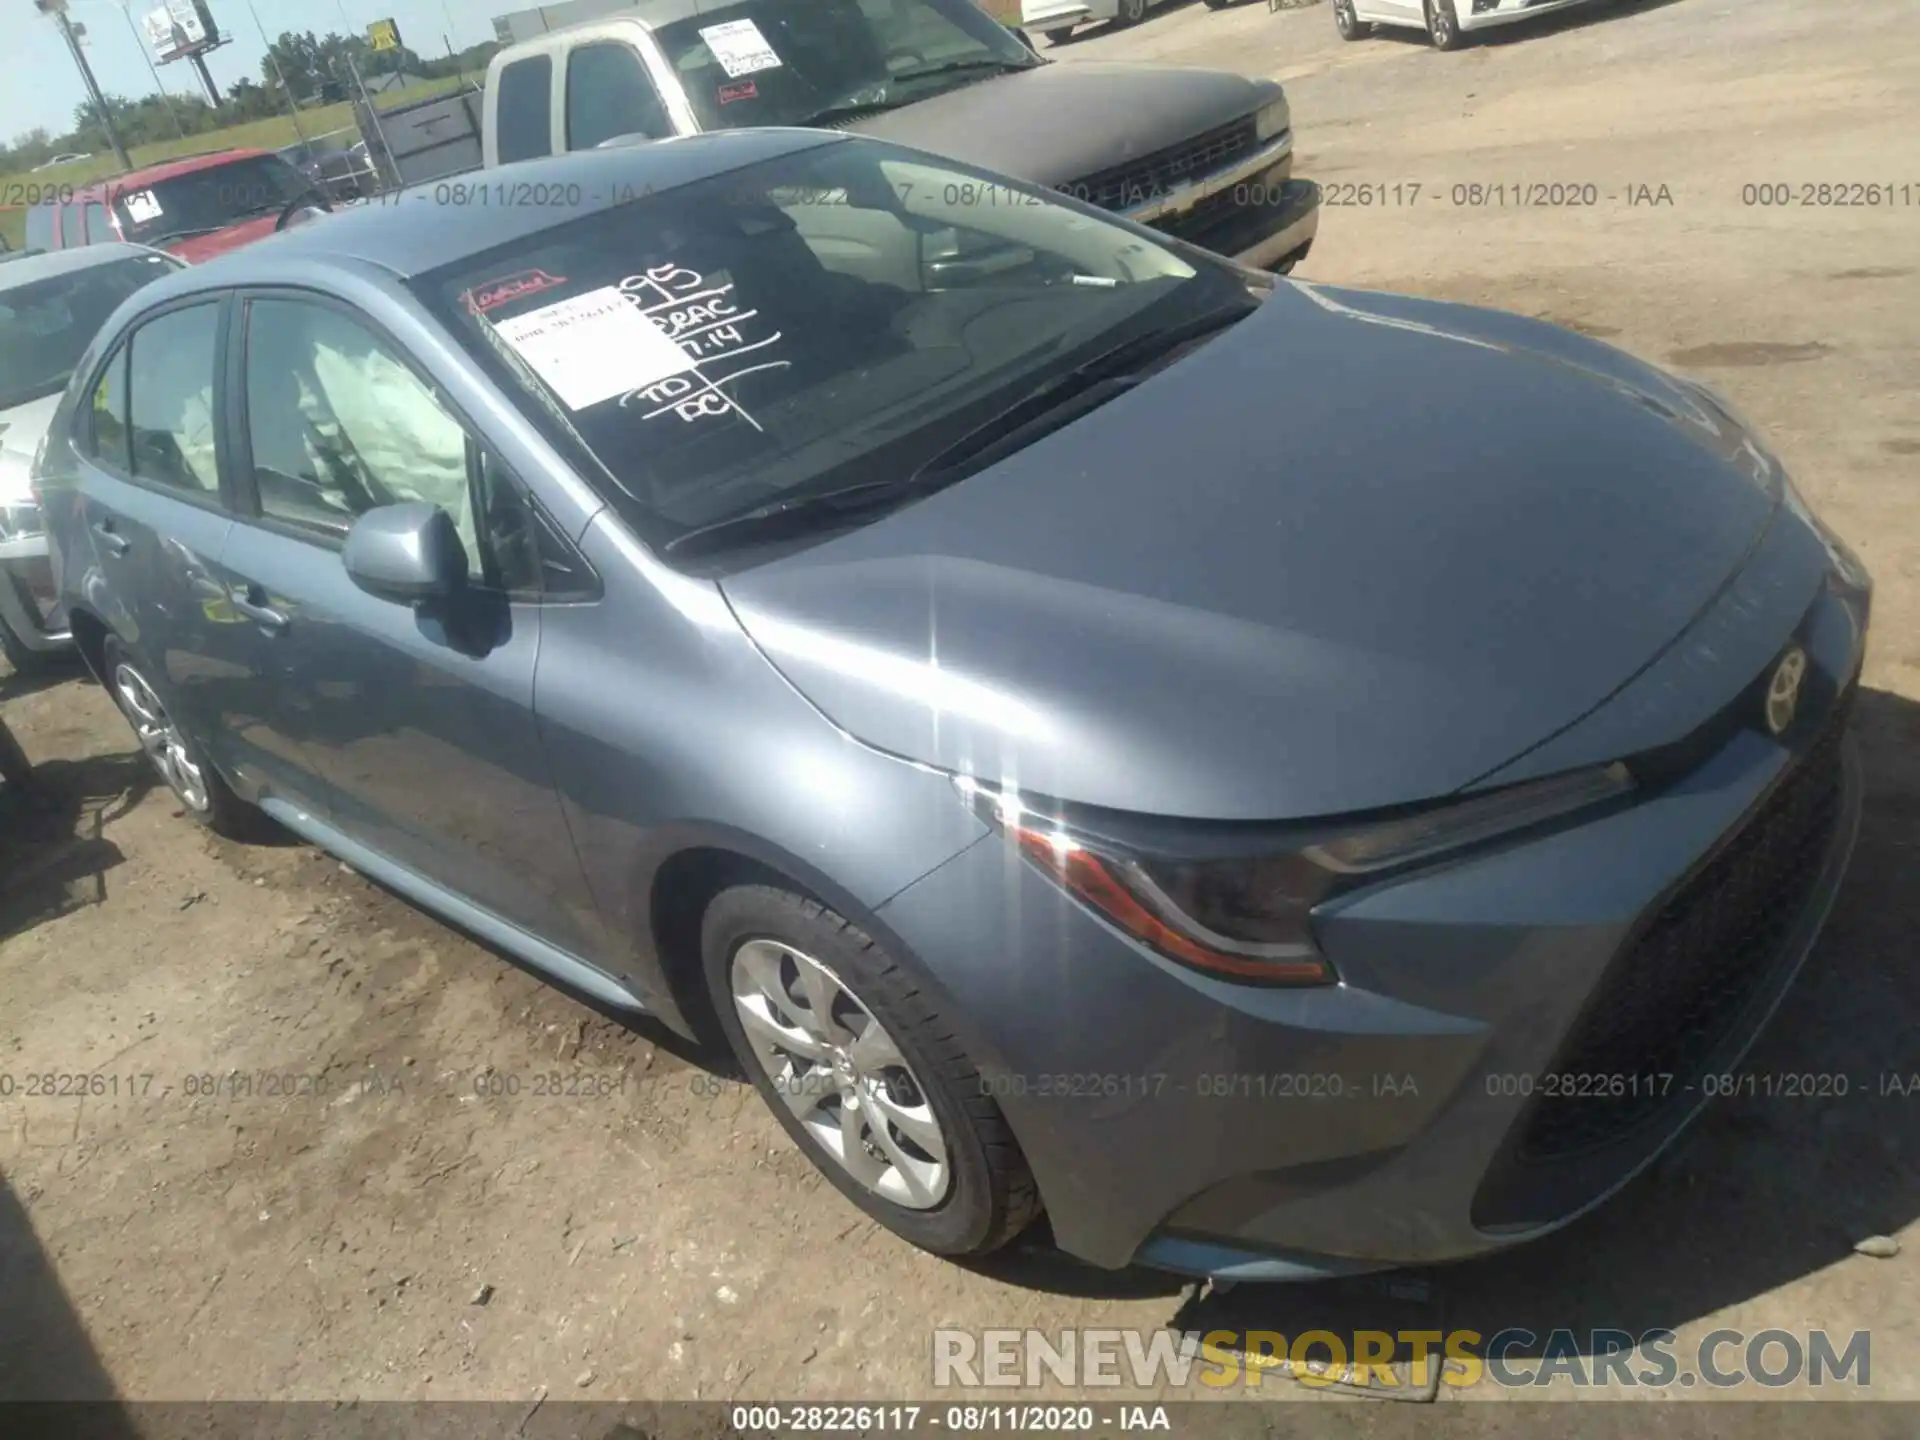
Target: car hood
{"x":1055,"y":124}
{"x":21,"y":430}
{"x":1360,"y":550}
{"x":199,"y":249}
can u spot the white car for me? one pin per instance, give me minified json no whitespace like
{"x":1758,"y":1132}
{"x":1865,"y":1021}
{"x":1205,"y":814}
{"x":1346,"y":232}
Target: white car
{"x":57,"y":161}
{"x":1056,"y":18}
{"x":51,"y":307}
{"x":1449,"y":24}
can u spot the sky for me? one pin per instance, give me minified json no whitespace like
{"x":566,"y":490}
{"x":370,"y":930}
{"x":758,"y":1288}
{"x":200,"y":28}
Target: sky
{"x":40,"y":85}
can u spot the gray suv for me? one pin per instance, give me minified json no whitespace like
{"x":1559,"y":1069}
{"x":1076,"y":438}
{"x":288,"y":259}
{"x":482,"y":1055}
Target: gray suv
{"x":1081,"y":748}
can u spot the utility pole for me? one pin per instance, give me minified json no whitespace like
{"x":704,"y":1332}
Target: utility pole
{"x":58,"y":10}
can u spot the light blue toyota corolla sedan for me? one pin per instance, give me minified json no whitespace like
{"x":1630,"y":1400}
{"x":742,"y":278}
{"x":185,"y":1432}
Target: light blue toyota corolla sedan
{"x":1008,"y":670}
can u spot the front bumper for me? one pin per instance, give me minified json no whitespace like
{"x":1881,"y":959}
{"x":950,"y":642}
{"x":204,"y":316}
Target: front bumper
{"x":1505,"y":12}
{"x":25,"y":573}
{"x":1395,"y":1118}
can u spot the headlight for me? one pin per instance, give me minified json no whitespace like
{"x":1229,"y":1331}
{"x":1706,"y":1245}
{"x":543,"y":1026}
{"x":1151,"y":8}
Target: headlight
{"x":1248,"y":918}
{"x":1273,"y":118}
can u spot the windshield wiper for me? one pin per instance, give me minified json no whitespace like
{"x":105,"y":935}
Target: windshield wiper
{"x":838,"y":111}
{"x":1056,"y":403}
{"x":1090,"y":383}
{"x":957,"y":67}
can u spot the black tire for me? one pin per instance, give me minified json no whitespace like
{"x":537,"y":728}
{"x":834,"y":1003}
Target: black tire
{"x":1443,"y":26}
{"x":1349,"y":25}
{"x":1060,"y":35}
{"x":990,"y":1195}
{"x":1218,"y":4}
{"x":220,"y":811}
{"x":1132,"y":12}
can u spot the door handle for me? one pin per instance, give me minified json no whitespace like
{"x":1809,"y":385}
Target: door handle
{"x":116,"y":544}
{"x":258,"y":611}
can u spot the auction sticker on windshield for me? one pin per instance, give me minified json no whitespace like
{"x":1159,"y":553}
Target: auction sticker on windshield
{"x":593,"y":347}
{"x":142,"y":207}
{"x":740,"y":48}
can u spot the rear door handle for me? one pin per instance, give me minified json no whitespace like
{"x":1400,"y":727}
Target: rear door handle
{"x":258,"y":611}
{"x":116,"y":544}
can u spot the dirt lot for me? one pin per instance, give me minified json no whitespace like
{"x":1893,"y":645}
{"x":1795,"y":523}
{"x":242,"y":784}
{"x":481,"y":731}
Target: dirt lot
{"x":203,"y":1238}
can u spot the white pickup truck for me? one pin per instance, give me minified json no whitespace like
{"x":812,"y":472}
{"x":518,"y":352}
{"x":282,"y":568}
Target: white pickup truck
{"x":1203,"y":155}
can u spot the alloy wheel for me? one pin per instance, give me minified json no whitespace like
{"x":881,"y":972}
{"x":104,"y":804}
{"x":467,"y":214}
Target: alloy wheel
{"x":160,"y":738}
{"x":833,"y":1064}
{"x":1344,"y":20}
{"x":1442,"y":24}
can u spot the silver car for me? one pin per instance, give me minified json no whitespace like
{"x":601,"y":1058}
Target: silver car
{"x":50,"y":308}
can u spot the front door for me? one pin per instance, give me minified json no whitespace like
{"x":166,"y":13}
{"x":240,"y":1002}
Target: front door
{"x":421,"y":721}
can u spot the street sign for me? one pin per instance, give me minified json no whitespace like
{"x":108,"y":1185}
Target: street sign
{"x":383,"y":35}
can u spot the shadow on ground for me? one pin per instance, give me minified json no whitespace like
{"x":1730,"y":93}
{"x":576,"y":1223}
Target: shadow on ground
{"x":54,"y":852}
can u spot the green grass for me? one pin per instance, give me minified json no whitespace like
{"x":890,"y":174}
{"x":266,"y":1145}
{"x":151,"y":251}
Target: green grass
{"x":254,"y":135}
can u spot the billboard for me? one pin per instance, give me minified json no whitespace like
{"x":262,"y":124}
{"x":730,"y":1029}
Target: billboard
{"x":180,"y":28}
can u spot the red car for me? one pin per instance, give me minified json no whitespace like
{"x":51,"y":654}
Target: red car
{"x":196,"y":207}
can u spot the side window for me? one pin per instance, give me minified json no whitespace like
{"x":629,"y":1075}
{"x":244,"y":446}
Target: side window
{"x":609,"y":93}
{"x":107,"y":440}
{"x":338,"y":425}
{"x":69,"y":222}
{"x":523,"y":113}
{"x":40,"y":228}
{"x":522,"y":551}
{"x":170,"y":376}
{"x":99,"y":228}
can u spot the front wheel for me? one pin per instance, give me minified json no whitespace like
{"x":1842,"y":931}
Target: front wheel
{"x":1443,"y":26}
{"x":1350,"y":25}
{"x":1132,"y":12}
{"x":860,"y":1070}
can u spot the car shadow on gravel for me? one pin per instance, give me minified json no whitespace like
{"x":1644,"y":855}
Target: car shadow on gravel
{"x":54,"y":851}
{"x":52,"y":1381}
{"x":1763,"y":1191}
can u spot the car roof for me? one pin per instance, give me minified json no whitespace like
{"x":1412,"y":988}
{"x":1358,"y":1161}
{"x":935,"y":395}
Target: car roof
{"x":166,"y":170}
{"x":651,"y":13}
{"x":30,"y":268}
{"x":444,"y":222}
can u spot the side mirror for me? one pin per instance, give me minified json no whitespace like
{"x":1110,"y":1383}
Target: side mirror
{"x":406,"y":553}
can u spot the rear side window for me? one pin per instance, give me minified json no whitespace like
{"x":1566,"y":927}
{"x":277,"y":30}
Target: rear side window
{"x":99,"y":228}
{"x":170,"y":400}
{"x":107,"y":440}
{"x":609,"y":93}
{"x":40,"y":228}
{"x":70,"y":232}
{"x":523,"y":115}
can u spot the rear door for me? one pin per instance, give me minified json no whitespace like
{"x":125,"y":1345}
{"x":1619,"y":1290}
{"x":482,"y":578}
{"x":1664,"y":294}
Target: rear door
{"x":420,"y":721}
{"x":156,"y":498}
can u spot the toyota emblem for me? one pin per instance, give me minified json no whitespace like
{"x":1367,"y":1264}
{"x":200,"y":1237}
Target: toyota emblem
{"x":1783,"y":691}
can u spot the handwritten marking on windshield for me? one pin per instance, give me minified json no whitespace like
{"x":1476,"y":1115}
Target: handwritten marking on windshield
{"x":703,"y":320}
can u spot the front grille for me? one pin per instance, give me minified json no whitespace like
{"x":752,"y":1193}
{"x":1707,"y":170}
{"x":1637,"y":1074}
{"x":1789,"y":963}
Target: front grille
{"x":1670,"y":997}
{"x":1138,"y":181}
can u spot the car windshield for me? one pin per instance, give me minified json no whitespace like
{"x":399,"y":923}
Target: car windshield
{"x":771,"y":62}
{"x":203,"y":201}
{"x":833,"y":317}
{"x":46,"y":325}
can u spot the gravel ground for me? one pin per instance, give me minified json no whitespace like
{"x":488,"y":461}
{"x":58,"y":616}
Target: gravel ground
{"x":396,"y":1224}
